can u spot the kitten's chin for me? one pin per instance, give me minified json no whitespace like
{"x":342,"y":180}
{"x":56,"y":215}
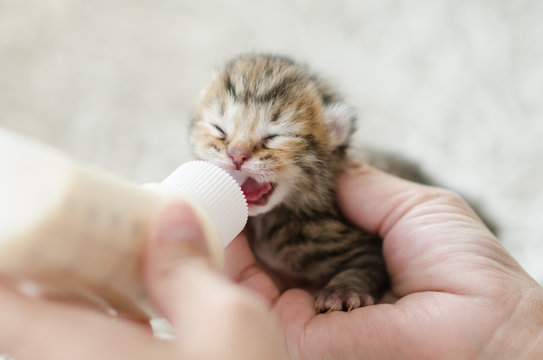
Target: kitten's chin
{"x":258,"y":209}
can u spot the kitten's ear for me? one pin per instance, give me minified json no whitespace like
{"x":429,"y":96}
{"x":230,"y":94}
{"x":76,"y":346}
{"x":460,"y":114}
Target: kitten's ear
{"x":340,"y":120}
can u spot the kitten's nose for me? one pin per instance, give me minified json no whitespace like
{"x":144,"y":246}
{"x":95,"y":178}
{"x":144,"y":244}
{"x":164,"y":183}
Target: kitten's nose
{"x":238,"y":157}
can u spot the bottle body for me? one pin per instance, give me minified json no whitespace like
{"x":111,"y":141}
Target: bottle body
{"x":76,"y":231}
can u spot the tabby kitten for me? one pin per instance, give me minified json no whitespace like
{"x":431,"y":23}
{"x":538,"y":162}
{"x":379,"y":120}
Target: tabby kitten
{"x":289,"y":131}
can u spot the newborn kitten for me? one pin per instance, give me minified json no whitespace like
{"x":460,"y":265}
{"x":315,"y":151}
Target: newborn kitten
{"x":284,"y":127}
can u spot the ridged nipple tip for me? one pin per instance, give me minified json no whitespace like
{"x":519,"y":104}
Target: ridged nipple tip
{"x":217,"y":191}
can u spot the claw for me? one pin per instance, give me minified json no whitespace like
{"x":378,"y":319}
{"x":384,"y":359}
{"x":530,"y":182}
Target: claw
{"x":336,"y":298}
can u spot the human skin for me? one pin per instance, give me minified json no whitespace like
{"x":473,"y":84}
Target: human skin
{"x":456,"y":293}
{"x":214,"y":318}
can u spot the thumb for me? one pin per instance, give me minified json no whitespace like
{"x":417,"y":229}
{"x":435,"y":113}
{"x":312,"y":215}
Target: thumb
{"x":375,"y":200}
{"x":177,"y":267}
{"x":200,"y":302}
{"x":385,"y":204}
{"x":432,"y":239}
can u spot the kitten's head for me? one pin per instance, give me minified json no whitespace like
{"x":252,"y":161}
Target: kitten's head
{"x":274,"y":120}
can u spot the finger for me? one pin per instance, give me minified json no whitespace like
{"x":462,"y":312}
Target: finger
{"x":101,"y":309}
{"x":37,"y":329}
{"x":242,"y":267}
{"x":335,"y":335}
{"x":381,"y":331}
{"x":209,"y":313}
{"x":176,"y":262}
{"x":426,"y":231}
{"x":376,"y":201}
{"x":294,"y":310}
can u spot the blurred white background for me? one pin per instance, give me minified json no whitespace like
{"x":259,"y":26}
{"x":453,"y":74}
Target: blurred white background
{"x":456,"y":85}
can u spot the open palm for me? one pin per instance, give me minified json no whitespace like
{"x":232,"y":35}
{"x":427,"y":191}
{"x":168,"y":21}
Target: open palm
{"x":455,"y":290}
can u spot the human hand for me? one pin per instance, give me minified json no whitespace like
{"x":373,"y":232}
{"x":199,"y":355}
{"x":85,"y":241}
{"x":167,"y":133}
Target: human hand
{"x":455,"y":291}
{"x":212,"y":318}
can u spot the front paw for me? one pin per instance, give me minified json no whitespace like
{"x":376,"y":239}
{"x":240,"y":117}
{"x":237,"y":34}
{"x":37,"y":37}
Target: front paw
{"x":341,"y":298}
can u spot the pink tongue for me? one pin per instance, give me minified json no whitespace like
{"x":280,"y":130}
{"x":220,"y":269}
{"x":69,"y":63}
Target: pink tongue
{"x":253,"y":190}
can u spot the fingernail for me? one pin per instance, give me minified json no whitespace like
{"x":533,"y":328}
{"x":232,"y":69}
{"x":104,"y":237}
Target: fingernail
{"x":177,"y":225}
{"x":354,"y":165}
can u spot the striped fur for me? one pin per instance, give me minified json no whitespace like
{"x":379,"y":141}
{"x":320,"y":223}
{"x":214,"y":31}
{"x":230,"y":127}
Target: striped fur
{"x":293,"y":130}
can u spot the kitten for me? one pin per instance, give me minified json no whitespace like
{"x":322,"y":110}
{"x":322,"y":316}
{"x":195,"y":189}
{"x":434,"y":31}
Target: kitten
{"x":289,"y":131}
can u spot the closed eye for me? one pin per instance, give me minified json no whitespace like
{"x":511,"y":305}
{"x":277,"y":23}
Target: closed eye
{"x":269,"y":137}
{"x":220,"y":130}
{"x":265,"y":140}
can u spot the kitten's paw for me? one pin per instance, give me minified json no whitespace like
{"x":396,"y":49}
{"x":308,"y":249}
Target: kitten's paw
{"x":338,"y":298}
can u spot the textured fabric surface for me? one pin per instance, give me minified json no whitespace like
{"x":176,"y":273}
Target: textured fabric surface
{"x":455,"y":85}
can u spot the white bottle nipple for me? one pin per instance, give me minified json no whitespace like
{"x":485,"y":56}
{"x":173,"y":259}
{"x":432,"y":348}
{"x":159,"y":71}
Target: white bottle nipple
{"x":70,"y":229}
{"x":217,"y":192}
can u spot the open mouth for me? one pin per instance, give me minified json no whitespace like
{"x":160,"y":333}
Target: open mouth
{"x":257,"y":193}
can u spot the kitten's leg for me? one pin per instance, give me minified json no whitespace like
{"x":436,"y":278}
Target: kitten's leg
{"x":348,"y":290}
{"x":363,"y":277}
